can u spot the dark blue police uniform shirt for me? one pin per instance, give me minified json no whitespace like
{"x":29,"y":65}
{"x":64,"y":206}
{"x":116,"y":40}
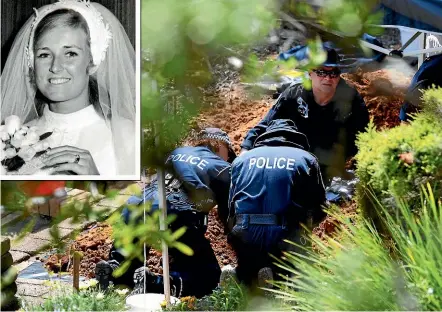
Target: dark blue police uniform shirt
{"x":205,"y":177}
{"x":331,"y":129}
{"x":430,"y":70}
{"x":284,"y":181}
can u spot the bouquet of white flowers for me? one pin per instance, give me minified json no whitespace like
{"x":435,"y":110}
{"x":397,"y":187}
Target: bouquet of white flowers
{"x":21,"y":147}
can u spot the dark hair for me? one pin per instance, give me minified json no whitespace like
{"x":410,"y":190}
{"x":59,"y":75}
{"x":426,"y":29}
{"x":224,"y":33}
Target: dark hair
{"x":213,"y":145}
{"x":72,"y":19}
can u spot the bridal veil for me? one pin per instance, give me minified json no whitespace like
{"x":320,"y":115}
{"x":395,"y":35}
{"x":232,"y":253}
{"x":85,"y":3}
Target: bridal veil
{"x":114,"y":58}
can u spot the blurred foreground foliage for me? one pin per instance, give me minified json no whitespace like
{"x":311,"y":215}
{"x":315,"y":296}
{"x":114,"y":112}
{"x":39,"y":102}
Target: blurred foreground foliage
{"x":365,"y":270}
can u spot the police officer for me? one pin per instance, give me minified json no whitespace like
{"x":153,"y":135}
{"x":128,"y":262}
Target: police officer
{"x":330,"y":115}
{"x":198,"y":179}
{"x":275,"y":186}
{"x":428,"y":75}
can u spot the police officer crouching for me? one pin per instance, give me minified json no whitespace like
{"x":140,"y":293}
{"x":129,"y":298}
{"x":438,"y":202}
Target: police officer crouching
{"x":198,"y":178}
{"x":330,"y":114}
{"x":276,"y":186}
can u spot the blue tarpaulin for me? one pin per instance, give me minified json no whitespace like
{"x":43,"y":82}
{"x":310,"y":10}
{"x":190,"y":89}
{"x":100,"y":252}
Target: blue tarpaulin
{"x":418,"y":14}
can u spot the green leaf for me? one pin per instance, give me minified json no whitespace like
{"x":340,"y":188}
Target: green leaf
{"x":122,"y":268}
{"x":178,"y":233}
{"x":183,"y":248}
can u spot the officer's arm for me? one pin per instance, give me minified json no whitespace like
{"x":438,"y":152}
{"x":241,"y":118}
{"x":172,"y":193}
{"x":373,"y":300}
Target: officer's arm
{"x":276,"y":112}
{"x":317,"y":193}
{"x":358,"y":122}
{"x":221,"y":187}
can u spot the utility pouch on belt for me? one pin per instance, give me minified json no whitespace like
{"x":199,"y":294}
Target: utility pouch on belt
{"x":244,"y":220}
{"x":176,"y":196}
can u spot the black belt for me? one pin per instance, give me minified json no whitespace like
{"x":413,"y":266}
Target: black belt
{"x":259,"y":219}
{"x":189,"y":218}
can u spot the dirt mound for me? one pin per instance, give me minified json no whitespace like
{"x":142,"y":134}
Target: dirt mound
{"x":215,"y":234}
{"x":383,"y":92}
{"x":235,"y":111}
{"x":94,"y":243}
{"x":328,"y":226}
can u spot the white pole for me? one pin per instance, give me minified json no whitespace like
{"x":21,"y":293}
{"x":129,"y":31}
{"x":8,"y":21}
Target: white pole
{"x":163,"y":217}
{"x":420,"y":58}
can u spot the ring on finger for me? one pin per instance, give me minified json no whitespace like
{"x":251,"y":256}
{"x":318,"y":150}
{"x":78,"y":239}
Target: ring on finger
{"x":77,"y":159}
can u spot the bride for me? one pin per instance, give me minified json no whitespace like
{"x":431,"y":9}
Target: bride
{"x":71,"y":71}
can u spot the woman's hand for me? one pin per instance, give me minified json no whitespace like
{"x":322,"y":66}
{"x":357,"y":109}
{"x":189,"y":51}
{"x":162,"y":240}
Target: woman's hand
{"x":69,"y":158}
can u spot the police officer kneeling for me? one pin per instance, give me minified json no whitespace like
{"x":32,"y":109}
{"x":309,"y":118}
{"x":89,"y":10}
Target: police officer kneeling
{"x":275,"y":186}
{"x":198,"y":179}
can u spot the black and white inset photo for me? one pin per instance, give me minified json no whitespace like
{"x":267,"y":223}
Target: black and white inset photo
{"x":70,"y":90}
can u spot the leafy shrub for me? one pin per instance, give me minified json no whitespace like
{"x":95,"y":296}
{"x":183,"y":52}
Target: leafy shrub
{"x":398,"y":161}
{"x":418,"y":244}
{"x":89,"y":299}
{"x":362,"y":272}
{"x":232,"y":296}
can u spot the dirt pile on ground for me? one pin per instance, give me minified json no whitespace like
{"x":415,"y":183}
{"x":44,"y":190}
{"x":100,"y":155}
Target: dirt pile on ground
{"x":234,"y":110}
{"x":383,"y":92}
{"x":328,"y":226}
{"x":94,"y":243}
{"x":215,"y":234}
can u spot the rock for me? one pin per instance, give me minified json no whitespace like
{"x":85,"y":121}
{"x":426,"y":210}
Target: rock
{"x":6,"y":245}
{"x":8,"y":300}
{"x":7,"y":261}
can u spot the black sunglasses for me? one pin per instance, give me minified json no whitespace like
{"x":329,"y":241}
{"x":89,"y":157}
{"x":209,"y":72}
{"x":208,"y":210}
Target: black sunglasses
{"x":334,"y":73}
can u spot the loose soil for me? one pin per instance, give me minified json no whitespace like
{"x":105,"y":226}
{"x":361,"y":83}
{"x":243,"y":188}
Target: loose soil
{"x":383,"y":92}
{"x":232,"y":109}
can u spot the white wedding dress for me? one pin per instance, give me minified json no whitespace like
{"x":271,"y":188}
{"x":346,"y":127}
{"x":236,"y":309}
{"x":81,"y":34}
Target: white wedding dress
{"x":84,"y":129}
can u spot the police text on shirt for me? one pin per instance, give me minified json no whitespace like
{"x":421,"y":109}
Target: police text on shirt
{"x":194,"y":160}
{"x":272,"y":163}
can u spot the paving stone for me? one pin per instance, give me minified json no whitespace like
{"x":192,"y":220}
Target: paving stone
{"x":79,"y":197}
{"x":7,"y":261}
{"x":6,"y":245}
{"x":11,"y":217}
{"x":34,"y":290}
{"x":115,"y":202}
{"x":23,"y":264}
{"x":74,"y":192}
{"x":30,"y":245}
{"x":40,"y":223}
{"x":45,"y":234}
{"x":67,"y":224}
{"x":131,"y":189}
{"x":32,"y":301}
{"x":19,"y":256}
{"x":32,"y":281}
